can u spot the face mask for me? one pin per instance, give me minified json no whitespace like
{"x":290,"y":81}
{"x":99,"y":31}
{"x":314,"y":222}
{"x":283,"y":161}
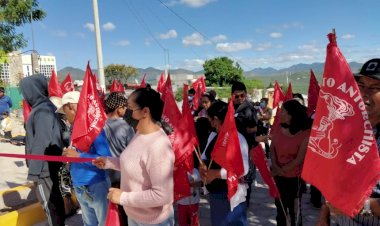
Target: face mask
{"x":256,"y":107}
{"x":285,"y":125}
{"x":263,"y":104}
{"x":190,"y":98}
{"x":129,"y":119}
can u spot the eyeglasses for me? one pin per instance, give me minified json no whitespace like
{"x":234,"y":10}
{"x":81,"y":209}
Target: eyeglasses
{"x":237,"y":96}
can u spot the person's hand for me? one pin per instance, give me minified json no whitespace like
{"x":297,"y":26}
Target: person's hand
{"x":264,"y":138}
{"x":70,"y":152}
{"x":333,"y":210}
{"x":276,"y":171}
{"x":114,"y":195}
{"x":100,"y":162}
{"x":203,"y":172}
{"x":212,"y":174}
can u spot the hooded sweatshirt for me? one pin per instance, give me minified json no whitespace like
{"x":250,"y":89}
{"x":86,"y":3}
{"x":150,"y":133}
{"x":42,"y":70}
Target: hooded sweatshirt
{"x":43,"y":128}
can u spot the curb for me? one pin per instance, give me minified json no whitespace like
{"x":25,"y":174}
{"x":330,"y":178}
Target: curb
{"x":24,"y":217}
{"x":18,"y":197}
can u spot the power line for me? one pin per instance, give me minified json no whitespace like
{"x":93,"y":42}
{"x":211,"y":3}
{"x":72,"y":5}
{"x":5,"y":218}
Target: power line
{"x":195,"y":29}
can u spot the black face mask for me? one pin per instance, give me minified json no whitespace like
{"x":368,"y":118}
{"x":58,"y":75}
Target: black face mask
{"x":285,"y":125}
{"x":129,"y":119}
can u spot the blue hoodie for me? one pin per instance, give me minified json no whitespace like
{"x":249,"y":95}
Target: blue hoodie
{"x":86,"y":173}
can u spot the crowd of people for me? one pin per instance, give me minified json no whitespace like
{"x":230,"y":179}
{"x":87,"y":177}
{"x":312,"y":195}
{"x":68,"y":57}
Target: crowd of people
{"x":134,"y":162}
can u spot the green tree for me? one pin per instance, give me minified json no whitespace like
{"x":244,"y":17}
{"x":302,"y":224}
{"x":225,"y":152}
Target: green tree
{"x":120,"y":72}
{"x":252,"y":84}
{"x":222,"y":70}
{"x":13,"y":14}
{"x":179,"y":94}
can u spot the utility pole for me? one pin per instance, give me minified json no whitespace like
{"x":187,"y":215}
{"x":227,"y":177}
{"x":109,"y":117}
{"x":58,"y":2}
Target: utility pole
{"x":99,"y":46}
{"x":34,"y":55}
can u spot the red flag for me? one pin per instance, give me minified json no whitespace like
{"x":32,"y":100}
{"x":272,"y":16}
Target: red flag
{"x":113,"y":217}
{"x":96,"y":83}
{"x":143,"y":82}
{"x":90,"y":117}
{"x":312,"y":94}
{"x":172,"y":116}
{"x":167,"y":88}
{"x":350,"y":161}
{"x":188,"y":118}
{"x":114,"y":86}
{"x":121,"y":87}
{"x":201,"y":83}
{"x":227,"y":153}
{"x":289,"y":93}
{"x":259,"y":159}
{"x":67,"y":85}
{"x":54,"y":89}
{"x":160,"y":83}
{"x":26,"y":109}
{"x":278,"y":95}
{"x":197,"y":97}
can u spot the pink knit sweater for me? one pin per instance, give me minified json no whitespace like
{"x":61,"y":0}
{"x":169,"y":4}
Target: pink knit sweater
{"x":146,"y":167}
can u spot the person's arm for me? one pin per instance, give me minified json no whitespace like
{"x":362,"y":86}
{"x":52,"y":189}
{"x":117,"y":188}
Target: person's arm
{"x":159,"y":166}
{"x":300,"y":156}
{"x":43,"y":121}
{"x":375,"y":206}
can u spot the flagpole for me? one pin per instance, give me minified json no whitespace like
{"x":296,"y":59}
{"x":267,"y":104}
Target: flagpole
{"x":98,"y":45}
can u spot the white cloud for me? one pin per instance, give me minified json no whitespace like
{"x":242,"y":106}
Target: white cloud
{"x":89,"y":26}
{"x":122,"y":43}
{"x":147,"y":42}
{"x":233,"y":47}
{"x":170,"y":34}
{"x":194,"y":39}
{"x":109,"y":26}
{"x":275,"y":35}
{"x":264,"y":46}
{"x":190,"y":3}
{"x":80,"y":34}
{"x":193,"y":64}
{"x":348,"y":36}
{"x":219,"y":38}
{"x":60,"y":33}
{"x":312,"y":47}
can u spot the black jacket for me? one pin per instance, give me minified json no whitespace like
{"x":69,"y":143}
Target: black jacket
{"x":43,"y":128}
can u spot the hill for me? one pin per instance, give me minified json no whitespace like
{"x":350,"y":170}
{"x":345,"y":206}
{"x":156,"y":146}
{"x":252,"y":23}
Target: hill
{"x":297,"y":74}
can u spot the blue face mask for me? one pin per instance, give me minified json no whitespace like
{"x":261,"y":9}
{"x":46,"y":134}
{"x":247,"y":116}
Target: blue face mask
{"x":263,"y":104}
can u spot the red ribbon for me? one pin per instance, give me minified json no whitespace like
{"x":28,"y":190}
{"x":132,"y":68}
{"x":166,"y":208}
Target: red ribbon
{"x":47,"y":158}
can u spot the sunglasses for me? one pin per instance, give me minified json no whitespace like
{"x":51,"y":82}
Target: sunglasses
{"x":237,"y":96}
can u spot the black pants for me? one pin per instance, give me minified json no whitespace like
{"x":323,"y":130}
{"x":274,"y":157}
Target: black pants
{"x":50,"y":197}
{"x":315,"y":196}
{"x":289,"y":191}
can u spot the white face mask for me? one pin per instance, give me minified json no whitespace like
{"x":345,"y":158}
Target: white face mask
{"x":190,"y":98}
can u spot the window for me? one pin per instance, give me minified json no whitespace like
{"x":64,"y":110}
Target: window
{"x":4,"y":72}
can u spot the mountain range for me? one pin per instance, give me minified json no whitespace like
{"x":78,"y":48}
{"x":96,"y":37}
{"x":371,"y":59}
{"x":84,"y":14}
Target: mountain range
{"x":153,"y":73}
{"x":297,"y":74}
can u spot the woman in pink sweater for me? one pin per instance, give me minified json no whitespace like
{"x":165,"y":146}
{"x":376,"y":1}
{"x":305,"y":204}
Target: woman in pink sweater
{"x":146,"y":165}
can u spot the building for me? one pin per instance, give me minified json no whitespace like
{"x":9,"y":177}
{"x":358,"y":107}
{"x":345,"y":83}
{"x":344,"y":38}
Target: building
{"x":15,"y":66}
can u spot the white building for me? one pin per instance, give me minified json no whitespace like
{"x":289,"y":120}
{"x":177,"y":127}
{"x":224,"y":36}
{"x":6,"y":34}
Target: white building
{"x":46,"y":63}
{"x":16,"y":66}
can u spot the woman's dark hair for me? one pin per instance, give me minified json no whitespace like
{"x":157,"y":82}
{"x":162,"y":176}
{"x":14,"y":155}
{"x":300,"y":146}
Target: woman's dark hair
{"x":147,"y":97}
{"x":209,"y":96}
{"x":300,"y":120}
{"x":218,"y":109}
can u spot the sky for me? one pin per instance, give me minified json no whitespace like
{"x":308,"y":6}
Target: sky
{"x":185,"y":33}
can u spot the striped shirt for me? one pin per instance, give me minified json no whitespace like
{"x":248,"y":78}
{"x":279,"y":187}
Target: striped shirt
{"x":361,"y":219}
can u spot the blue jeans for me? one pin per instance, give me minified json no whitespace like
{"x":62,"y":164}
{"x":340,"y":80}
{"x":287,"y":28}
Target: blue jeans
{"x":93,"y":202}
{"x":168,"y":222}
{"x":221,"y":214}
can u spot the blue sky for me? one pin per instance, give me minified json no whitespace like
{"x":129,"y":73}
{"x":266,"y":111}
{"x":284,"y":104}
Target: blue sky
{"x":256,"y":33}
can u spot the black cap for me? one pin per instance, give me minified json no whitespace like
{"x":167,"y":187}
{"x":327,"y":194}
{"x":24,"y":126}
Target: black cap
{"x":371,"y":69}
{"x":2,"y":89}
